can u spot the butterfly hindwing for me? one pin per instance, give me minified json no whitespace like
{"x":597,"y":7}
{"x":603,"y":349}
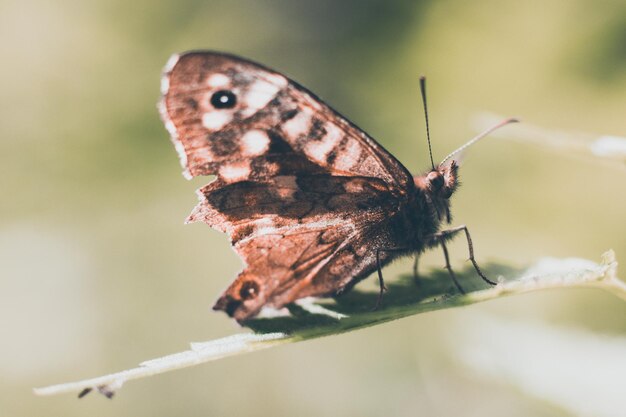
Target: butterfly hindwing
{"x":297,"y":236}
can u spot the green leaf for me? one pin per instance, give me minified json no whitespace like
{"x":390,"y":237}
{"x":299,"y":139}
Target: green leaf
{"x":311,"y":319}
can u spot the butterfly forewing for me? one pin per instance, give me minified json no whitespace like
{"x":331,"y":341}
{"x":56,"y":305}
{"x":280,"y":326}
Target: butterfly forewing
{"x":305,"y":196}
{"x":272,"y":117}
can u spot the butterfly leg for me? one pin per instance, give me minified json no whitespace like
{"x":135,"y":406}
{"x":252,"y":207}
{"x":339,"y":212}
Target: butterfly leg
{"x":449,"y":267}
{"x":470,"y":246}
{"x":446,"y":234}
{"x":381,"y":282}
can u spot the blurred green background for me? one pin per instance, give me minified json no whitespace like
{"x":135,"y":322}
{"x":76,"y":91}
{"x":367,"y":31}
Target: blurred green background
{"x":97,"y":271}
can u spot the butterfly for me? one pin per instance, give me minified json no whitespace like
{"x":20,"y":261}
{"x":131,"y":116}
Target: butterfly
{"x":311,"y":203}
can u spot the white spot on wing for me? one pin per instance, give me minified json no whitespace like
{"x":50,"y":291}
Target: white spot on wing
{"x":258,"y":95}
{"x":218,"y":81}
{"x":297,"y":126}
{"x":349,"y":156}
{"x":277,"y":79}
{"x":319,"y":150}
{"x":254,"y":143}
{"x":215,"y":120}
{"x":235,"y":172}
{"x":261,"y":92}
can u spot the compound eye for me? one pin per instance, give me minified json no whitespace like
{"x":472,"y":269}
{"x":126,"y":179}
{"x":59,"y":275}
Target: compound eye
{"x":223,"y":99}
{"x":435,"y":179}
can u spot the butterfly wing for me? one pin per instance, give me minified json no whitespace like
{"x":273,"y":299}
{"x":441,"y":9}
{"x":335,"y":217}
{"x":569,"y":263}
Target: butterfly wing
{"x":271,"y":116}
{"x":303,"y":194}
{"x":299,"y":236}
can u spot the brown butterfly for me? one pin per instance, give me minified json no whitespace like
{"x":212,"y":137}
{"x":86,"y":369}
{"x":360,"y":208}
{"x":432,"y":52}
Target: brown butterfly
{"x":311,"y":203}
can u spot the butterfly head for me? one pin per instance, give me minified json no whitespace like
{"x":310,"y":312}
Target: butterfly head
{"x":438,"y":185}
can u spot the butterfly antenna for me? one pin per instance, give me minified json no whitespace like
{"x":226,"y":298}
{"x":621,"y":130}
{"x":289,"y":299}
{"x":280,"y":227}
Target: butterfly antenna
{"x":423,"y":90}
{"x":480,"y":136}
